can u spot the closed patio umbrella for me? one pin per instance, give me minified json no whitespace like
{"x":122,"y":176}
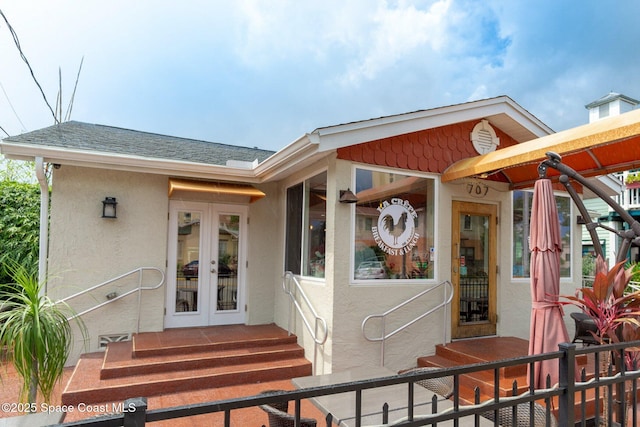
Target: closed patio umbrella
{"x":547,"y":328}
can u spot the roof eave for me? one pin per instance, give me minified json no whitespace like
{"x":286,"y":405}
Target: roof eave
{"x":339,"y":136}
{"x":128,"y":163}
{"x":301,"y":153}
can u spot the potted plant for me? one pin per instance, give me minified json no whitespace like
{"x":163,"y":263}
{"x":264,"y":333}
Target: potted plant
{"x":615,"y":313}
{"x":35,"y":332}
{"x":633,"y":180}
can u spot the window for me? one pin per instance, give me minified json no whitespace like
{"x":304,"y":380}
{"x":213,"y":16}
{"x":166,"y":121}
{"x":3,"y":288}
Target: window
{"x":306,"y":226}
{"x":394,"y":233}
{"x":522,"y":201}
{"x":603,"y":111}
{"x":293,"y":238}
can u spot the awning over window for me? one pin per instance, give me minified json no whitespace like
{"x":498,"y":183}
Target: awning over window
{"x":606,"y":146}
{"x":218,"y":188}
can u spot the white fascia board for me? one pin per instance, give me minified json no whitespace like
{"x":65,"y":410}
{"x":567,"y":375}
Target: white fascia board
{"x":129,"y":163}
{"x":333,"y":137}
{"x":295,"y":155}
{"x":528,"y":120}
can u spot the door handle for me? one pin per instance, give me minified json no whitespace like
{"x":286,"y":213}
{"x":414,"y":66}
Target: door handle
{"x":213,"y":270}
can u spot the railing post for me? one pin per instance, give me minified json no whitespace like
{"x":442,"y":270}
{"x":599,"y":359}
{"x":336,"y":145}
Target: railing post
{"x":286,"y":285}
{"x":140,"y":272}
{"x":135,"y":412}
{"x":567,"y":383}
{"x":446,"y":315}
{"x":384,"y":333}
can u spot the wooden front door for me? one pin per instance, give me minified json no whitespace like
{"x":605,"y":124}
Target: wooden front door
{"x":473,"y":265}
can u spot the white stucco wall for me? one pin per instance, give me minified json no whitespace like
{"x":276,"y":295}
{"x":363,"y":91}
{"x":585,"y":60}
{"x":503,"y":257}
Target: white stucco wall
{"x":263,"y":255}
{"x":318,"y":290}
{"x":86,"y":250}
{"x":352,"y":302}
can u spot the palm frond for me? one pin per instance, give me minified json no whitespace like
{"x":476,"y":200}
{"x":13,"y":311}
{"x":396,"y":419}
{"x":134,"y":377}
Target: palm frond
{"x":36,"y":332}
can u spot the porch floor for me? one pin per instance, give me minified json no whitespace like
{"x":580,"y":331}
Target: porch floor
{"x":249,"y":417}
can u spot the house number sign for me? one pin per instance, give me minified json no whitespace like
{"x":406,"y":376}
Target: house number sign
{"x":477,"y":189}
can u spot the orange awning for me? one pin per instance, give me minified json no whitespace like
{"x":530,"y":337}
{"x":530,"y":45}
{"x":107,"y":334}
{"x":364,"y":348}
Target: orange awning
{"x":598,"y":148}
{"x":220,"y":188}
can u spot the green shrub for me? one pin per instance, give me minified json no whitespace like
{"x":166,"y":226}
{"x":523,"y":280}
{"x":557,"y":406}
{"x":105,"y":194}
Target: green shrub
{"x":19,"y":224}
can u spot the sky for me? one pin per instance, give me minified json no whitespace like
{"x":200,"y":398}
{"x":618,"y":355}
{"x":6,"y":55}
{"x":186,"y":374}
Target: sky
{"x":263,"y":73}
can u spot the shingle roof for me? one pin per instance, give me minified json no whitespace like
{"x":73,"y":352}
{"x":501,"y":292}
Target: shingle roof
{"x":610,"y":97}
{"x":107,"y":139}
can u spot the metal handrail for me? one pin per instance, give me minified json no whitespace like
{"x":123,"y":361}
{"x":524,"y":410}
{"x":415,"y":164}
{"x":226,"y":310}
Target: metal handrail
{"x":384,"y":336}
{"x":320,"y":323}
{"x":140,"y":271}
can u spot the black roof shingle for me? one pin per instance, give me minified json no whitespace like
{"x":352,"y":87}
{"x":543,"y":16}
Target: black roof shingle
{"x":75,"y":135}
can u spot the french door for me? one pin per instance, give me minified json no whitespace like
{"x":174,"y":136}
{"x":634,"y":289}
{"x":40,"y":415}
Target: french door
{"x":206,"y":264}
{"x":474,"y":265}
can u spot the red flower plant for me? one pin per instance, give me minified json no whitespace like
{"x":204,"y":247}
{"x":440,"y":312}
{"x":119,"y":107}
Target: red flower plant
{"x":609,"y":307}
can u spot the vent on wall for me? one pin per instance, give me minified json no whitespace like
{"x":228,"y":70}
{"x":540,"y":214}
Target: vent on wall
{"x":484,"y":138}
{"x":103,"y":340}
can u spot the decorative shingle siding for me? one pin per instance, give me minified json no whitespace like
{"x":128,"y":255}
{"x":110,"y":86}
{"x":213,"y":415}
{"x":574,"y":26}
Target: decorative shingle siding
{"x":430,"y":150}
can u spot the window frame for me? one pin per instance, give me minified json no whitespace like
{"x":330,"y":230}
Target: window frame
{"x":303,"y":231}
{"x":572,"y":235}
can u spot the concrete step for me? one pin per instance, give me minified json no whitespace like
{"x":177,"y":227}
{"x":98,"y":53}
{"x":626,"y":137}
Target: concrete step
{"x":186,"y":341}
{"x":485,"y":350}
{"x":86,"y":387}
{"x":484,"y":380}
{"x":119,"y":363}
{"x":173,"y":361}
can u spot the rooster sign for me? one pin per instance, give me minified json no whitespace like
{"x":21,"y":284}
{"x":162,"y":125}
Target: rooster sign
{"x":396,"y":233}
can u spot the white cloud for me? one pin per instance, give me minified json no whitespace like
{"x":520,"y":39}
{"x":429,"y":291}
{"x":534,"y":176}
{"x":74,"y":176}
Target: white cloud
{"x":396,"y":33}
{"x":268,"y":71}
{"x":480,"y":92}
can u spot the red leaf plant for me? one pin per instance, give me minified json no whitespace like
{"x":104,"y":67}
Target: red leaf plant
{"x":615,"y":314}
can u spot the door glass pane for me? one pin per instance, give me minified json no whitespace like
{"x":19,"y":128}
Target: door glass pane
{"x":188,"y":256}
{"x":228,"y":236}
{"x":474,"y":268}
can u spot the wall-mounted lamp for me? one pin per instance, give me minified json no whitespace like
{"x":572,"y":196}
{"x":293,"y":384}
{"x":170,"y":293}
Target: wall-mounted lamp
{"x":109,"y":207}
{"x":347,"y":196}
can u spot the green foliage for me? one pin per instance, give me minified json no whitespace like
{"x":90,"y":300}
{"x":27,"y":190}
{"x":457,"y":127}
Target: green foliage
{"x":35,"y":331}
{"x":632,"y":178}
{"x":19,"y":224}
{"x":17,"y":170}
{"x":634,"y":268}
{"x":588,"y":267}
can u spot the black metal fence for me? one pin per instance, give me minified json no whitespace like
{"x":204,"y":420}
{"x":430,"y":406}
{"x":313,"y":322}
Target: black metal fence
{"x":611,"y":391}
